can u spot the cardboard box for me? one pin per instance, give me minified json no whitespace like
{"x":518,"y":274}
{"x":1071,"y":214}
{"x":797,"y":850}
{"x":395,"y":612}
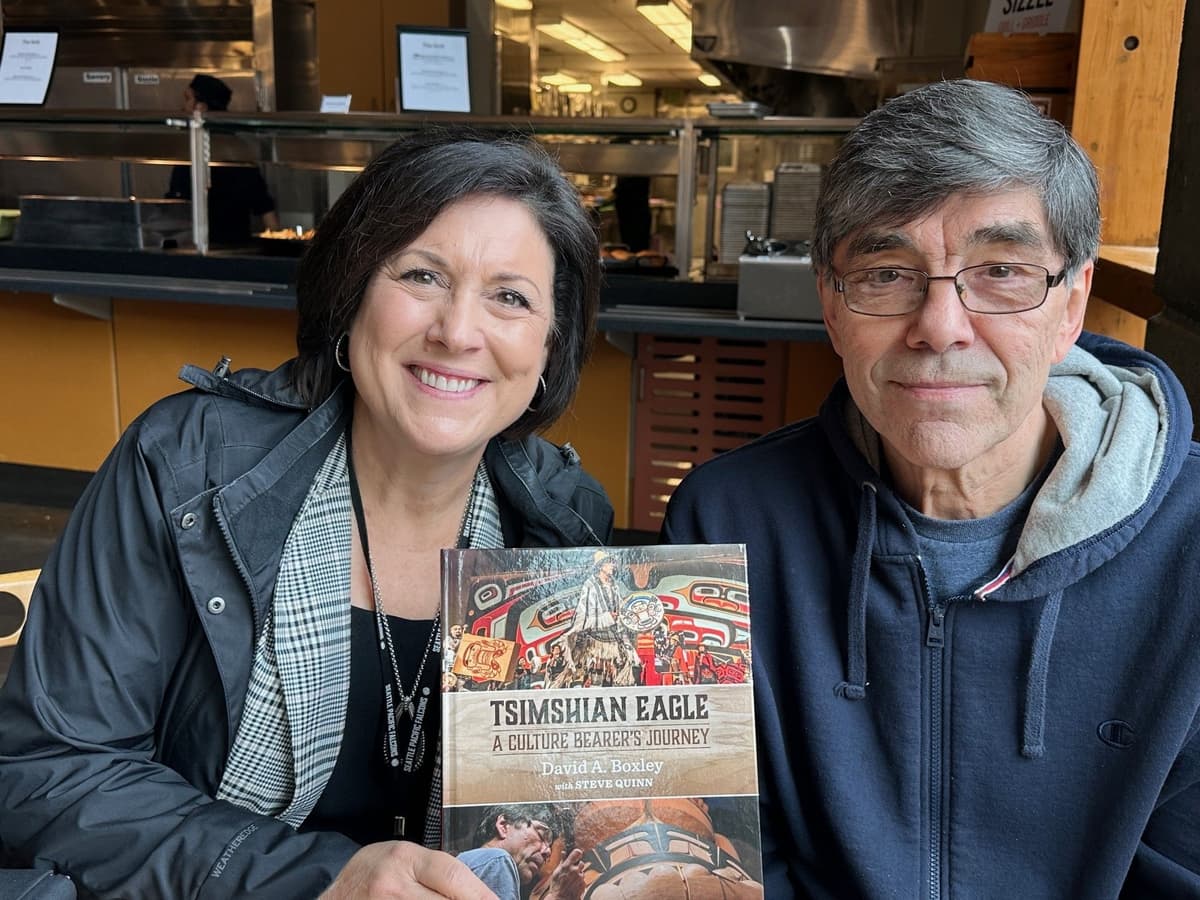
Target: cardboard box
{"x":1033,"y":16}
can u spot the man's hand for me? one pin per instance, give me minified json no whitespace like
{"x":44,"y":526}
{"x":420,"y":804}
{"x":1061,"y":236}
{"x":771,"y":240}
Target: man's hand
{"x":566,"y":881}
{"x":401,"y":869}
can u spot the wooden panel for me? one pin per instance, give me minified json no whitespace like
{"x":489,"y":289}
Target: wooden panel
{"x":155,"y":339}
{"x":356,"y":40}
{"x":812,"y":369}
{"x":1109,"y":319}
{"x":598,"y":424}
{"x":349,"y":52}
{"x":1032,"y":62}
{"x":698,"y":397}
{"x":58,"y":384}
{"x":1123,"y":105}
{"x":1125,"y":277}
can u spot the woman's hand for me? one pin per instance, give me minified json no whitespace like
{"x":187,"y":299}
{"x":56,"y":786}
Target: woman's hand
{"x":402,"y":869}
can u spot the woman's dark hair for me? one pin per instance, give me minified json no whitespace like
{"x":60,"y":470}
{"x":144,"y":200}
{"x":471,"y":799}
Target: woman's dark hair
{"x":394,"y":200}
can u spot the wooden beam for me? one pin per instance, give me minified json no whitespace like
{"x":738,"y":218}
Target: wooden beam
{"x":1124,"y":97}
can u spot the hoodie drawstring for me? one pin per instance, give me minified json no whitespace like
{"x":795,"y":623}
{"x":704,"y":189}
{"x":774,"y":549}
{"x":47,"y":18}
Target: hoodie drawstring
{"x":855,"y":685}
{"x":1033,"y":745}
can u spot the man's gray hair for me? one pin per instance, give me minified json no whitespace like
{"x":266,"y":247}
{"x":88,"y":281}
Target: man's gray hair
{"x":906,"y":158}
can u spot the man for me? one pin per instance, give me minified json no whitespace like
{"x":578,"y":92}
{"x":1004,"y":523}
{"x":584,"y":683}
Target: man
{"x":235,"y":193}
{"x":597,"y":636}
{"x":973,"y":575}
{"x":513,"y":844}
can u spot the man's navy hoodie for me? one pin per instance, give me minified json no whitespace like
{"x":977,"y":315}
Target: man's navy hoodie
{"x":1036,"y":738}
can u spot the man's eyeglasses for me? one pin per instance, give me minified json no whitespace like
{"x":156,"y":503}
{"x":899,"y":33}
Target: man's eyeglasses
{"x":993,"y":289}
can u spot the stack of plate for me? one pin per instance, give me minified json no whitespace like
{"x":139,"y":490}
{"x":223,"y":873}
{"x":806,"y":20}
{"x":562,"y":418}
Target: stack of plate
{"x":744,"y":207}
{"x":795,"y":202}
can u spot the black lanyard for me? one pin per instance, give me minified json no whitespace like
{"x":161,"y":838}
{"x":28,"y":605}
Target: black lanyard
{"x":392,"y":691}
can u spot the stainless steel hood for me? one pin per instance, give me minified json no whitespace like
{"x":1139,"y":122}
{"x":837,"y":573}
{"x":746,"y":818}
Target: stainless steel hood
{"x":829,"y":37}
{"x":821,"y":57}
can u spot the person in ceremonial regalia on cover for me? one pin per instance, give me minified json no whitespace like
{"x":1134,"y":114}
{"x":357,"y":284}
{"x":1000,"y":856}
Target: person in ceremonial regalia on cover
{"x":596,"y":636}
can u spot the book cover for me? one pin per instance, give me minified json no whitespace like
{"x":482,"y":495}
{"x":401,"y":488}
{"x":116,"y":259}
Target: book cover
{"x":603,"y":698}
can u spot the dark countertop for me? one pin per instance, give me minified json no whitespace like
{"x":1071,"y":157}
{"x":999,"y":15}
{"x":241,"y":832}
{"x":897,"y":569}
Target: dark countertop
{"x":629,"y":303}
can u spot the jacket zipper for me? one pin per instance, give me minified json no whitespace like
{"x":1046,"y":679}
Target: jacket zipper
{"x":935,"y":639}
{"x":219,"y":514}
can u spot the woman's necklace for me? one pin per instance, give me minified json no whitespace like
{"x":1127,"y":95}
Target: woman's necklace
{"x":397,"y":702}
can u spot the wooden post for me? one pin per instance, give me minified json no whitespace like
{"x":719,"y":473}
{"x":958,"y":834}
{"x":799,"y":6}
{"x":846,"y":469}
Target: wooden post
{"x":1124,"y":96}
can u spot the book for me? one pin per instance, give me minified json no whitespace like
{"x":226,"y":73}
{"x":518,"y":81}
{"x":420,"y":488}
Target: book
{"x":603,"y":696}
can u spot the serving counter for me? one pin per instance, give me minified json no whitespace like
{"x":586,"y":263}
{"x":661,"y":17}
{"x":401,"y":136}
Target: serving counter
{"x":93,"y":336}
{"x":629,"y":303}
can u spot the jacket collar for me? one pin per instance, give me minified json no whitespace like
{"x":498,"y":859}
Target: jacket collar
{"x":254,"y":386}
{"x":257,"y":508}
{"x":540,"y":481}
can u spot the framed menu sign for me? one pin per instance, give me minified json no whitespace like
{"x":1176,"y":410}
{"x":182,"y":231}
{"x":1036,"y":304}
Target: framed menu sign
{"x":26,"y":64}
{"x":432,"y":69}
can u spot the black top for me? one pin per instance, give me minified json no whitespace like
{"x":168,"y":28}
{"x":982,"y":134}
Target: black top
{"x":364,"y":794}
{"x":234,"y":193}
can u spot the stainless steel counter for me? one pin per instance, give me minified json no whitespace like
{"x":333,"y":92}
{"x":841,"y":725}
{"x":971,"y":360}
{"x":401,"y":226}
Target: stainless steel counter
{"x":630,"y":304}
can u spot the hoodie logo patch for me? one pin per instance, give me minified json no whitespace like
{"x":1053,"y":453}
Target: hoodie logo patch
{"x":1116,"y":733}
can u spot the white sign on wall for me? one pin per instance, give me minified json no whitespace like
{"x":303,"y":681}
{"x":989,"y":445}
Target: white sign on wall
{"x":26,"y":64}
{"x":433,"y":69}
{"x":1033,"y":16}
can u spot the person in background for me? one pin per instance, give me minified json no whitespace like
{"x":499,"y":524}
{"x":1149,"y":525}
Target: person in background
{"x":228,"y":682}
{"x":513,"y":844}
{"x":236,"y":193}
{"x":557,"y":671}
{"x":631,"y":201}
{"x":975,"y":668}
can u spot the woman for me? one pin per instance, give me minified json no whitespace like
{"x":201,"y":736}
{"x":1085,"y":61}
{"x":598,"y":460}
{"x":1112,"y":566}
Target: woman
{"x":228,"y":684}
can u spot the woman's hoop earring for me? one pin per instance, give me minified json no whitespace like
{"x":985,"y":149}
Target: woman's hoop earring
{"x":337,"y":351}
{"x":538,"y":394}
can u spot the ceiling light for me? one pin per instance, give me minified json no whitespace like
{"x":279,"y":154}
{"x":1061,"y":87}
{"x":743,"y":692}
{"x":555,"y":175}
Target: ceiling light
{"x":581,"y":40}
{"x":710,"y":80}
{"x":669,"y":19}
{"x":662,"y":12}
{"x":622,"y":79}
{"x":522,"y":5}
{"x":579,"y":87}
{"x":558,"y":79}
